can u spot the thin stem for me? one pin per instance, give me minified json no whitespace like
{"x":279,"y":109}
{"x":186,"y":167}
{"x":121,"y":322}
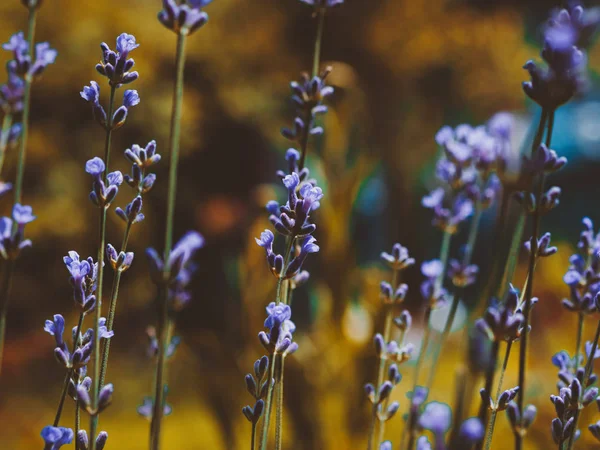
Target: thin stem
{"x":279,"y":414}
{"x":26,"y":109}
{"x":266,"y":421}
{"x":530,"y":274}
{"x":469,"y":248}
{"x":77,"y":417}
{"x":492,"y":422}
{"x":408,"y":431}
{"x":5,"y":286}
{"x":444,"y":252}
{"x":69,"y":374}
{"x":318,"y":40}
{"x":113,"y":309}
{"x":63,"y":396}
{"x":579,"y":337}
{"x":98,"y":310}
{"x":489,"y":382}
{"x":253,"y":437}
{"x":289,"y":245}
{"x":308,"y":119}
{"x":172,"y":194}
{"x":511,"y":262}
{"x":6,"y":125}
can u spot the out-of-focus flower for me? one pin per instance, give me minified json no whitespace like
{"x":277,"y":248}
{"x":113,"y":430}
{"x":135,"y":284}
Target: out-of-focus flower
{"x":184,"y":18}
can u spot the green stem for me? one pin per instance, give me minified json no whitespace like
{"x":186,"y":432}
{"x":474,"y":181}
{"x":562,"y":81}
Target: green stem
{"x":279,"y":413}
{"x":492,"y":422}
{"x":318,"y":40}
{"x":6,"y":126}
{"x":513,"y":255}
{"x":69,"y":374}
{"x":112,"y":310}
{"x":444,"y":252}
{"x":63,"y":396}
{"x":253,"y":437}
{"x":266,"y":421}
{"x":470,"y":247}
{"x":77,"y":418}
{"x":26,"y":109}
{"x":531,"y":269}
{"x":172,"y":194}
{"x":579,"y":337}
{"x":289,"y":245}
{"x":5,"y":286}
{"x":489,"y":382}
{"x":101,"y":251}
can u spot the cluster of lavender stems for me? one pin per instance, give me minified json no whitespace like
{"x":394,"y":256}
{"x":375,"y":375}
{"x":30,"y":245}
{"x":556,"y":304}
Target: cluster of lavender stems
{"x":171,"y":274}
{"x":470,"y":175}
{"x":28,"y":64}
{"x":292,"y":221}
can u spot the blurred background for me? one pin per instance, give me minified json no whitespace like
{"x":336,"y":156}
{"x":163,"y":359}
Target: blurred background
{"x":402,"y":69}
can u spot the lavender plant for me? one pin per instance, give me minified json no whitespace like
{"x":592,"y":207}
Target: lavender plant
{"x":15,"y":98}
{"x":292,"y":221}
{"x":172,"y":272}
{"x":390,"y":352}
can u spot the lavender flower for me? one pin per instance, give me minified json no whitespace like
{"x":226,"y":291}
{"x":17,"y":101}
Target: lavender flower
{"x":22,"y":63}
{"x":11,"y":93}
{"x":91,"y":94}
{"x":82,"y":441}
{"x":12,"y":239}
{"x":55,"y":437}
{"x":462,"y":275}
{"x":145,"y":157}
{"x":130,"y":99}
{"x":503,"y":321}
{"x":583,"y":275}
{"x":281,"y":329}
{"x":543,"y":248}
{"x":120,"y":261}
{"x":83,"y":279}
{"x":116,"y":65}
{"x":435,"y":297}
{"x":176,"y":273}
{"x":257,"y":385}
{"x":103,"y":195}
{"x":184,"y":18}
{"x":308,"y":95}
{"x":399,"y":258}
{"x":564,"y":75}
{"x":471,"y":432}
{"x":437,"y":418}
{"x":82,"y":343}
{"x":132,"y":213}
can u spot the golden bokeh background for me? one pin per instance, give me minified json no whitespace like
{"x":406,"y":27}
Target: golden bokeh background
{"x":402,"y":69}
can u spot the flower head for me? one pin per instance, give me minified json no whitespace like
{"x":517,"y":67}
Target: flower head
{"x":116,"y":66}
{"x":281,"y":328}
{"x":55,"y":437}
{"x":185,"y":18}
